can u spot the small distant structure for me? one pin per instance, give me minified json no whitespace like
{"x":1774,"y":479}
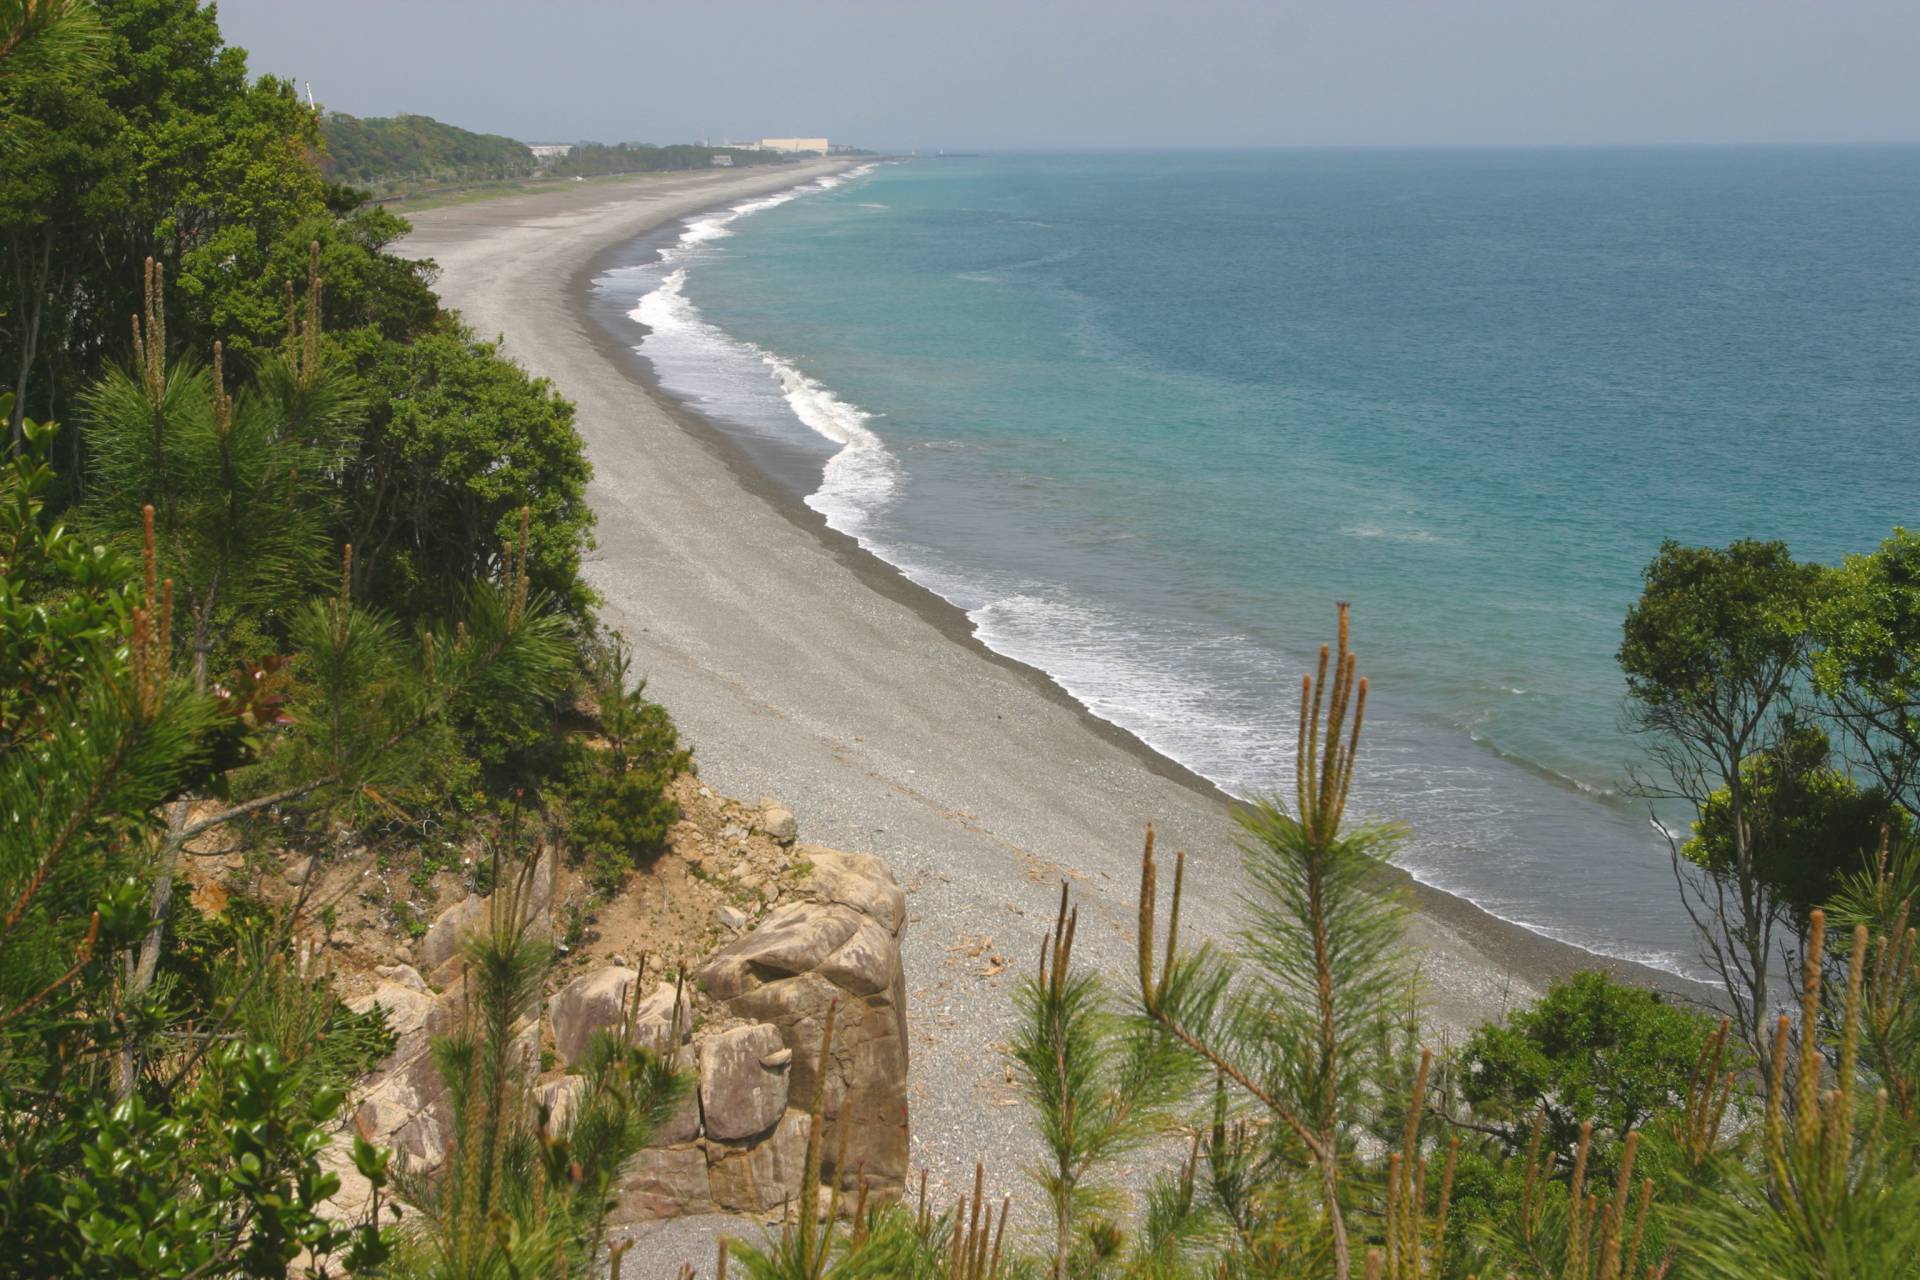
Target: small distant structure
{"x":721,"y":160}
{"x":792,"y":146}
{"x":549,"y":150}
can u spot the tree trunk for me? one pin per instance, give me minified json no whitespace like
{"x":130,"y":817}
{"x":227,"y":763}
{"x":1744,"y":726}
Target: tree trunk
{"x":31,"y":299}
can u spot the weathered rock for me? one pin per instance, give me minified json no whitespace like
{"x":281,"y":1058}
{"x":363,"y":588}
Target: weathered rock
{"x":857,"y":880}
{"x":592,"y":1002}
{"x":793,"y":940}
{"x":449,"y":929}
{"x":298,"y":870}
{"x":840,"y":950}
{"x":560,"y":1097}
{"x":730,"y":917}
{"x":407,"y":1010}
{"x":779,"y":824}
{"x":683,"y":1125}
{"x":403,"y":974}
{"x":866,"y":963}
{"x":763,"y":1176}
{"x":452,"y":927}
{"x":739,"y":1097}
{"x":405,"y":1109}
{"x":404,"y":1105}
{"x":597,"y":1001}
{"x":662,"y":1182}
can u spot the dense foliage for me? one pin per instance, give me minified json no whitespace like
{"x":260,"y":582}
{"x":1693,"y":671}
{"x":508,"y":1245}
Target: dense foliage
{"x":457,"y":442}
{"x":189,"y":645}
{"x":1744,"y":667}
{"x":388,"y":151}
{"x":617,"y":806}
{"x":1590,"y":1051}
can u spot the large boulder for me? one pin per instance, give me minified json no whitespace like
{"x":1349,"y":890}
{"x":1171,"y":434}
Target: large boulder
{"x":444,"y":938}
{"x":561,"y":1098}
{"x":837,"y":948}
{"x":857,"y":880}
{"x":407,"y":1010}
{"x":404,"y":1103}
{"x":765,"y":1175}
{"x":449,"y":930}
{"x":743,"y":1082}
{"x":599,"y":1001}
{"x":661,"y":1183}
{"x":682,"y":1126}
{"x":793,"y":940}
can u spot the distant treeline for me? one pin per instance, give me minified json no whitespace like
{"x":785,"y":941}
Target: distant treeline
{"x":382,"y":152}
{"x":391,"y":152}
{"x":591,"y":159}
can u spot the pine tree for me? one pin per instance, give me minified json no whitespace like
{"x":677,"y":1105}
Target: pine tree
{"x":1296,"y":1018}
{"x":1100,"y":1088}
{"x":523,"y":1192}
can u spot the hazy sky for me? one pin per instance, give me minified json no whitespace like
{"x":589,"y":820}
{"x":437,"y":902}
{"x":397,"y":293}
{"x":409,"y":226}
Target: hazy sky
{"x":1063,"y":73}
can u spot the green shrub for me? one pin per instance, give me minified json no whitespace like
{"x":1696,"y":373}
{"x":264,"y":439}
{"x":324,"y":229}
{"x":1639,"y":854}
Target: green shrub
{"x":618,"y":817}
{"x":1590,"y":1049}
{"x":618,"y":809}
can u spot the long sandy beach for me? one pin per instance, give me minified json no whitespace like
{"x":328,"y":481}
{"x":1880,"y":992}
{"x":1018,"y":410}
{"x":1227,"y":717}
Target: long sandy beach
{"x":803,"y":669}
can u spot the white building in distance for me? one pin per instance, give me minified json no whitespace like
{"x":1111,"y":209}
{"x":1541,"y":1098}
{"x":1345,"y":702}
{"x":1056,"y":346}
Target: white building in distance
{"x":549,"y":150}
{"x":792,"y":145}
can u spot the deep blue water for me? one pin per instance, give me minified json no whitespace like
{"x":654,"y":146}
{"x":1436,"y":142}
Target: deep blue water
{"x":1146,"y":417}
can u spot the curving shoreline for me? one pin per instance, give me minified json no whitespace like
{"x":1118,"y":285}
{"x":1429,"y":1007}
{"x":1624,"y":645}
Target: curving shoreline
{"x":803,"y":667}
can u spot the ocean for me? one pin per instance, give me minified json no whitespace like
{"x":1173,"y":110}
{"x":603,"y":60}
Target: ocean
{"x":1147,"y":417}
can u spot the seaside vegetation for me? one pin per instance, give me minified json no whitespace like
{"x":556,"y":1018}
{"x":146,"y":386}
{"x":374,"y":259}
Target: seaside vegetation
{"x":293,"y":559}
{"x":293,"y":554}
{"x":598,"y":159}
{"x":1306,"y":1126}
{"x":382,"y":153}
{"x":403,"y":155}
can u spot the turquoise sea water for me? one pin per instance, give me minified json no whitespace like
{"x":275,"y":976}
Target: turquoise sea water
{"x":1146,"y":417}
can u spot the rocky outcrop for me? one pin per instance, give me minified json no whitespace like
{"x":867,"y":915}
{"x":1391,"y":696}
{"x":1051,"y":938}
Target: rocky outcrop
{"x":767,"y":994}
{"x":599,"y":1001}
{"x":662,"y":1182}
{"x":743,"y":1082}
{"x":403,"y":1104}
{"x":737,"y":1142}
{"x":450,"y":930}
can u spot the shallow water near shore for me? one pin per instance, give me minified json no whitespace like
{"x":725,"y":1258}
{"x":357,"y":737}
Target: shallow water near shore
{"x":1146,"y":417}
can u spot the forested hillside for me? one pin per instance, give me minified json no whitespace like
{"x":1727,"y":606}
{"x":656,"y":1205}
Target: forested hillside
{"x":387,"y":154}
{"x":379,"y":152}
{"x":592,"y":159}
{"x":288,"y":559}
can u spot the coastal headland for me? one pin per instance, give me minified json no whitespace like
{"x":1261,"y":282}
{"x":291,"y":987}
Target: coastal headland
{"x":804,"y":669}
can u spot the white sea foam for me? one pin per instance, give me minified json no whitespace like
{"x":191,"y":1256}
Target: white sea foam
{"x":862,"y":477}
{"x":1200,"y":697}
{"x":707,"y":227}
{"x":1180,"y":690}
{"x":1391,"y":535}
{"x":860,"y":480}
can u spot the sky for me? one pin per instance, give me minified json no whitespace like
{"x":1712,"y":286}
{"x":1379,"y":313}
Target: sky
{"x":995,"y":74}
